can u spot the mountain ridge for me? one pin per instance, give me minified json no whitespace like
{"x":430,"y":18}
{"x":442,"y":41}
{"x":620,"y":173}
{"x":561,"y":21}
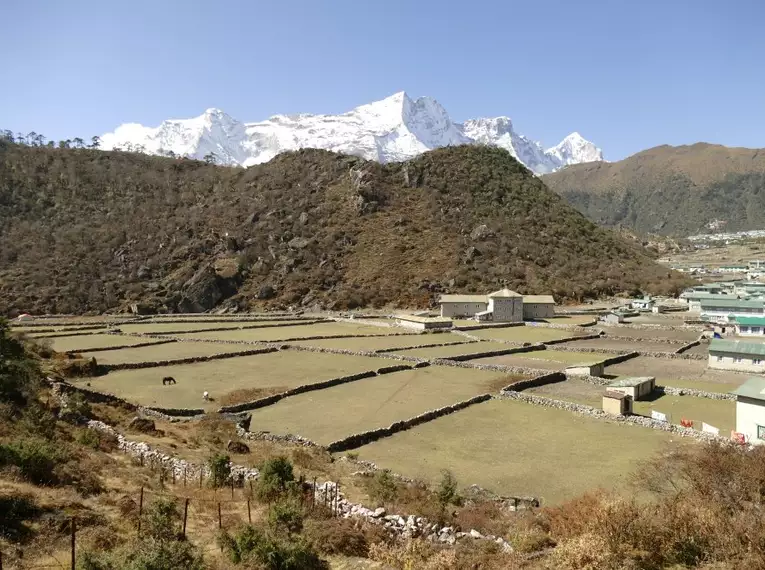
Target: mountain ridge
{"x":87,"y":230}
{"x":393,"y":129}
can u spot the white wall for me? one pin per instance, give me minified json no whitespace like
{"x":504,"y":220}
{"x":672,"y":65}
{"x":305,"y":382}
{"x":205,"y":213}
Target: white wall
{"x":727,"y":362}
{"x":461,"y":309}
{"x":749,"y":414}
{"x":538,"y":310}
{"x":750,"y":331}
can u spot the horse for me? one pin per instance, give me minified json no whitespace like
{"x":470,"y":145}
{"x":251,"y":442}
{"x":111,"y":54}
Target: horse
{"x":206,"y":396}
{"x":168,"y":380}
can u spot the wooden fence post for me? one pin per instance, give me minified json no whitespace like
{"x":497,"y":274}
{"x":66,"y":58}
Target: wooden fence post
{"x":172,"y":471}
{"x":184,"y":476}
{"x":251,"y":494}
{"x":74,"y":533}
{"x":185,"y":515}
{"x":313,"y":498}
{"x":249,"y":520}
{"x":140,"y":510}
{"x":232,"y":487}
{"x":201,"y":472}
{"x":220,"y":522}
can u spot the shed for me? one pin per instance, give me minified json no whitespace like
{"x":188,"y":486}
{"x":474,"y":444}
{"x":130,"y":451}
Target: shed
{"x":612,"y":318}
{"x":750,"y":410}
{"x":637,"y":387}
{"x":423,"y":323}
{"x":617,"y":403}
{"x":586,"y":369}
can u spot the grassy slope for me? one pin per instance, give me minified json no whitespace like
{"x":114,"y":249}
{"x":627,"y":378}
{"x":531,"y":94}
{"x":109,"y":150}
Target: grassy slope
{"x":643,"y":192}
{"x":88,"y":230}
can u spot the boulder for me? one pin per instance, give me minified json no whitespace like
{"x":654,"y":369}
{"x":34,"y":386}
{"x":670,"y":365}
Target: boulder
{"x":266,"y":292}
{"x":472,"y":252}
{"x":237,"y":447}
{"x":143,"y":425}
{"x":303,"y":218}
{"x":298,"y":243}
{"x":481,"y":232}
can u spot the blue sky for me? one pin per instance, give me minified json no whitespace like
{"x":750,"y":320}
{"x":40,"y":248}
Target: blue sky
{"x":626,"y":74}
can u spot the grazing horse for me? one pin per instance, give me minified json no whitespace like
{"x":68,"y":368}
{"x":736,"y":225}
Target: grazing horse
{"x":168,"y":380}
{"x":206,"y":396}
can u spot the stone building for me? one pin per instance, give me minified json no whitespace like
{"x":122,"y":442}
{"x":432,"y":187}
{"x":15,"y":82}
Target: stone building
{"x":744,"y":356}
{"x":617,"y":403}
{"x":538,"y":307}
{"x":503,"y":306}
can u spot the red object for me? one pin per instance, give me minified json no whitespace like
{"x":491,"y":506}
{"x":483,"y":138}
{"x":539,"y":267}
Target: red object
{"x":739,"y":438}
{"x":686,"y":423}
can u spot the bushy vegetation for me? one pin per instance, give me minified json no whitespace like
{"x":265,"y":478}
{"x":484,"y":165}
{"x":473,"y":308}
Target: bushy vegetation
{"x":670,"y":190}
{"x":85,"y":230}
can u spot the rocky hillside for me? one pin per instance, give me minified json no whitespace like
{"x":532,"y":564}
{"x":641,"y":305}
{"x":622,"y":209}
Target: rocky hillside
{"x":671,"y":190}
{"x":89,"y":230}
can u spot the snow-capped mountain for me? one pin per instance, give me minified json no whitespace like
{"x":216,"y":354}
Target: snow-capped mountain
{"x":393,"y":129}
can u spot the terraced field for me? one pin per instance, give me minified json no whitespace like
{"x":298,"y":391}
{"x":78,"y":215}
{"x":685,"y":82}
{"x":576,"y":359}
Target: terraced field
{"x":516,"y":448}
{"x":246,"y":377}
{"x":543,"y":359}
{"x":297,"y":331}
{"x":165,"y":351}
{"x":718,"y":413}
{"x":381,"y":342}
{"x":328,"y":415}
{"x":680,"y":373}
{"x":524,"y":334}
{"x":455,"y":349}
{"x":83,"y":342}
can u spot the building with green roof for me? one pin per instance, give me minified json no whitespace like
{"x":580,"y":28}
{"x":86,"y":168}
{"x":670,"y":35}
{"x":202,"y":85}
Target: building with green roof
{"x":741,"y":355}
{"x":719,"y":309}
{"x":748,"y":326}
{"x":750,"y":410}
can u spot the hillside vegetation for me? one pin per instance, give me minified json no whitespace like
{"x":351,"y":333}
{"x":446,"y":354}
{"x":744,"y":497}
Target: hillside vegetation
{"x":85,"y":230}
{"x":671,"y":190}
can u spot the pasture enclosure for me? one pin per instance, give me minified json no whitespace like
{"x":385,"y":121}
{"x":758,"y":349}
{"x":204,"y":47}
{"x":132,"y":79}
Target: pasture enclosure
{"x":298,"y":331}
{"x":685,"y":335}
{"x":454,"y":349}
{"x":543,"y":359}
{"x":623,"y":345}
{"x":327,"y":415}
{"x":382,"y":342}
{"x":233,"y":380}
{"x":529,"y":333}
{"x":165,"y":351}
{"x":163,"y":328}
{"x":87,"y":341}
{"x":719,"y":413}
{"x":515,"y":448}
{"x":680,"y":373}
{"x":572,"y":390}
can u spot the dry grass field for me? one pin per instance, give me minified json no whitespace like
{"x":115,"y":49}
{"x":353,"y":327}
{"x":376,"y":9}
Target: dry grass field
{"x":719,"y":413}
{"x":574,"y":320}
{"x":380,"y":342}
{"x":524,"y":334}
{"x":543,"y":359}
{"x":260,"y":374}
{"x":63,"y":332}
{"x":165,"y":351}
{"x":623,"y":345}
{"x":160,"y":328}
{"x":680,"y":373}
{"x":686,"y":335}
{"x":296,"y":331}
{"x":572,"y":390}
{"x":327,"y":415}
{"x":516,"y":448}
{"x":454,"y":349}
{"x":86,"y":341}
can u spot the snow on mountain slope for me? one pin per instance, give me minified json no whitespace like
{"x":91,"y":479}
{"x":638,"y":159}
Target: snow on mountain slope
{"x":393,"y":129}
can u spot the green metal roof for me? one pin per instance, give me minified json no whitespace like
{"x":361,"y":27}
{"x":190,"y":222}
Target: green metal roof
{"x":704,"y":295}
{"x":737,"y":347}
{"x":752,"y":388}
{"x":750,"y":321}
{"x":733,"y":303}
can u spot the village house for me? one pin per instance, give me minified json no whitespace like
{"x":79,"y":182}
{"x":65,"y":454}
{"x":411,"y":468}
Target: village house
{"x":612,"y":318}
{"x":538,"y":307}
{"x":748,"y":326}
{"x":644,"y":304}
{"x":636,"y":388}
{"x":617,"y":403}
{"x":422,"y":323}
{"x":737,"y":355}
{"x":750,"y":410}
{"x":719,"y":310}
{"x":503,"y":306}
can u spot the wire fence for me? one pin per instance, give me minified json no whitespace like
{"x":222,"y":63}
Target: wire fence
{"x":231,"y":505}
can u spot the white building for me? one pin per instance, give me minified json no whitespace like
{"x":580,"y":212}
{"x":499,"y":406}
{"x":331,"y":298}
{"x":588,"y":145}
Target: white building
{"x":612,"y":318}
{"x":720,"y":310}
{"x":503,"y":306}
{"x":749,"y":326}
{"x":422,"y":323}
{"x":737,"y":355}
{"x":538,"y":307}
{"x":750,"y":410}
{"x":644,"y":304}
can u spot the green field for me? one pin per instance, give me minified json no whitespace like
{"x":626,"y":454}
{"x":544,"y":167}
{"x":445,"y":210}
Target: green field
{"x":166,"y":351}
{"x":524,"y":334}
{"x":328,"y":415}
{"x":81,"y":342}
{"x":547,"y":359}
{"x":719,"y":413}
{"x":297,"y":331}
{"x":515,"y":448}
{"x":160,"y":328}
{"x":454,"y":350}
{"x":380,"y":342}
{"x":274,"y":372}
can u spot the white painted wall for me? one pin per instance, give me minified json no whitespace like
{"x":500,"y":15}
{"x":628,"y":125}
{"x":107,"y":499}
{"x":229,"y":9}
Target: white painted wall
{"x":750,"y":330}
{"x":742,"y":363}
{"x":461,"y":309}
{"x":750,"y":414}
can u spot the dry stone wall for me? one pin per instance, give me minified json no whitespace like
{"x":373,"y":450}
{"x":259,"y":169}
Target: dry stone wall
{"x":501,"y":352}
{"x":536,"y":382}
{"x":417,"y":346}
{"x":189,"y":360}
{"x":103,"y":348}
{"x":672,"y":391}
{"x":359,"y":439}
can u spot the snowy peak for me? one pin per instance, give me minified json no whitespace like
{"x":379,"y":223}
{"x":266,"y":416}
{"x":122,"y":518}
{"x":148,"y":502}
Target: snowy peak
{"x":393,"y":129}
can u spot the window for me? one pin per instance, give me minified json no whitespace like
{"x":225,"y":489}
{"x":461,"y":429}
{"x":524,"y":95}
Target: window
{"x":757,"y":361}
{"x":719,"y":359}
{"x":737,"y":359}
{"x":760,"y":432}
{"x":744,"y":329}
{"x":756,"y":330}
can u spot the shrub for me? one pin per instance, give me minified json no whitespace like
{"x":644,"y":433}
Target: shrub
{"x":147,"y":554}
{"x":77,"y":407}
{"x":16,"y":509}
{"x":337,"y":536}
{"x":35,"y":459}
{"x":258,"y":549}
{"x":383,"y":488}
{"x":19,"y":373}
{"x":286,"y":516}
{"x":220,"y":470}
{"x":447,"y":489}
{"x":89,"y":438}
{"x":162,"y":518}
{"x":275,"y":476}
{"x":38,"y":420}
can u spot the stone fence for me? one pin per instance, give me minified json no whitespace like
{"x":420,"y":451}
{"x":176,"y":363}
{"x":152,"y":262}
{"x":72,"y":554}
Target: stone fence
{"x":673,"y":355}
{"x":101,"y":330}
{"x":479,"y":326}
{"x":500,"y":352}
{"x":688,"y":346}
{"x":624,"y":420}
{"x":670,"y":390}
{"x":644,"y":339}
{"x":40,"y":328}
{"x":582,"y":327}
{"x":189,"y":360}
{"x":120,"y":347}
{"x":490,"y":367}
{"x":620,"y":358}
{"x":418,"y":346}
{"x":359,"y":439}
{"x":571,"y":339}
{"x":221,"y":329}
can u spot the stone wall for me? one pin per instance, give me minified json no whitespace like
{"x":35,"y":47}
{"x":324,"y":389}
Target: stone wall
{"x":189,"y":360}
{"x":359,"y":439}
{"x":571,"y":339}
{"x":487,"y":325}
{"x":417,"y":346}
{"x":600,"y":414}
{"x":491,"y":367}
{"x":673,"y":355}
{"x":693,"y":392}
{"x":103,"y":348}
{"x":620,"y":358}
{"x":644,"y":339}
{"x":688,"y":346}
{"x":541,"y":380}
{"x":501,"y":352}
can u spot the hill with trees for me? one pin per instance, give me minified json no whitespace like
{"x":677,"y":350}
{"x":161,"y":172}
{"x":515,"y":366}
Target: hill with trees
{"x":87,"y":230}
{"x":670,"y":190}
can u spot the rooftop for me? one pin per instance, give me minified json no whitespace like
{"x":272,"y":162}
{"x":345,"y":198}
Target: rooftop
{"x":752,"y":388}
{"x":737,"y":347}
{"x":463,"y":299}
{"x":615,"y":395}
{"x":538,"y":299}
{"x":505,"y":293}
{"x":750,"y":321}
{"x":733,"y":303}
{"x":631,"y":381}
{"x":421,"y":319}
